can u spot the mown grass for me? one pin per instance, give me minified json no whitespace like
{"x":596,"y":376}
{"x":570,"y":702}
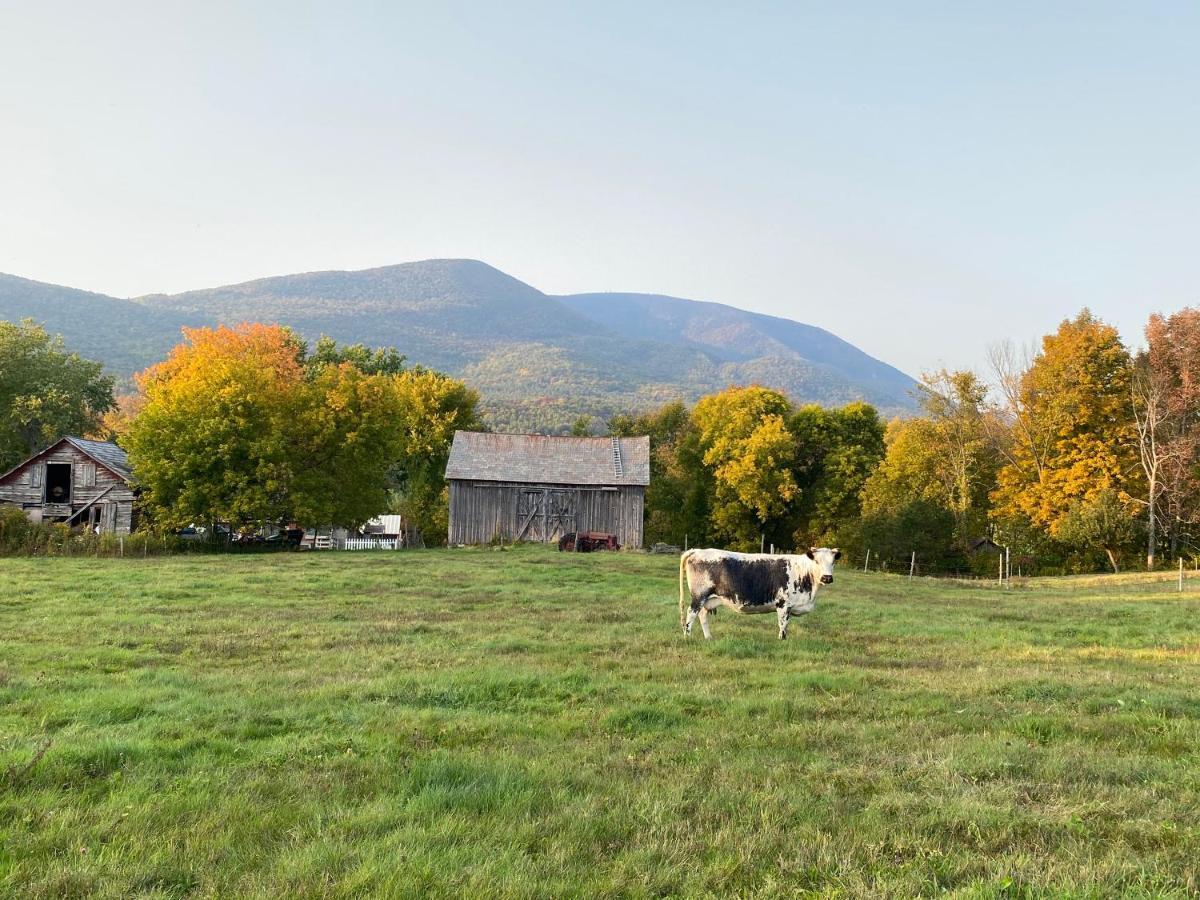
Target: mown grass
{"x":475,"y":723}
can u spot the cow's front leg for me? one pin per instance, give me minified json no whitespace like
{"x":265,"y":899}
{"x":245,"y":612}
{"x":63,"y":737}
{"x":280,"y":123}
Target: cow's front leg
{"x":704,"y":614}
{"x":691,"y":618}
{"x":783,"y":614}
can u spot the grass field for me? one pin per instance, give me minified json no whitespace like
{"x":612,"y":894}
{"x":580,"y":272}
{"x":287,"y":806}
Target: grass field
{"x":475,"y":723}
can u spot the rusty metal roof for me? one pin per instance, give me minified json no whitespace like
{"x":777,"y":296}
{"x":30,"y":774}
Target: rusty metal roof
{"x":538,"y":458}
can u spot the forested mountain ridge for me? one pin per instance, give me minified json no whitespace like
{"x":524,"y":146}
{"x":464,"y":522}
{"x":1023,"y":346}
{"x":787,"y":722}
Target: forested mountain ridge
{"x":538,"y":360}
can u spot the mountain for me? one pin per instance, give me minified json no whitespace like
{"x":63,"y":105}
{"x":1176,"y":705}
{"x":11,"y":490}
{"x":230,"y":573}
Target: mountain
{"x":538,"y":360}
{"x":124,"y":335}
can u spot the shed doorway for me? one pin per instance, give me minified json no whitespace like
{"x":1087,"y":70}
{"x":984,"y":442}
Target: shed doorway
{"x":58,"y":483}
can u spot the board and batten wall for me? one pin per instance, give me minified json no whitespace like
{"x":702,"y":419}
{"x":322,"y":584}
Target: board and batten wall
{"x":25,"y":488}
{"x":482,"y":511}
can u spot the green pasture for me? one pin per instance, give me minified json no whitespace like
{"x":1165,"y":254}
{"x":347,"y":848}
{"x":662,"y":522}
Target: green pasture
{"x":477,"y":723}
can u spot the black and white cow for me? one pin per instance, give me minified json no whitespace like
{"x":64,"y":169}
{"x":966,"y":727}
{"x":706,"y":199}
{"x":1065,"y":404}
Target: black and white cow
{"x":751,"y":583}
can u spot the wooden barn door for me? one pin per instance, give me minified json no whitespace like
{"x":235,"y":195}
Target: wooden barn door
{"x":545,"y":515}
{"x":560,"y":513}
{"x":531,"y":516}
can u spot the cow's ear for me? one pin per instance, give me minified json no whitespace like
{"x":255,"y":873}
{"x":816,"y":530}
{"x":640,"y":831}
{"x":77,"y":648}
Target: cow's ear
{"x":837,"y":554}
{"x":809,"y":554}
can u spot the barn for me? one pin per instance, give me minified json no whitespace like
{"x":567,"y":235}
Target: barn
{"x":74,"y":481}
{"x":533,"y":487}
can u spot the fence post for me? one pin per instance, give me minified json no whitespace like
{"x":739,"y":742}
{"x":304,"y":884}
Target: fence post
{"x":1008,"y":566}
{"x":912,"y":566}
{"x":1001,"y":581}
{"x":867,"y":561}
{"x":121,"y":545}
{"x":1181,"y":574}
{"x":762,"y":542}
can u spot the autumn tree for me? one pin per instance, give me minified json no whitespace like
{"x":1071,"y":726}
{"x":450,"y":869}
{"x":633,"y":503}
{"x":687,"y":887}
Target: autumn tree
{"x":1072,"y":432}
{"x":679,"y":496}
{"x":1168,"y":400}
{"x":46,"y":391}
{"x":244,"y":425}
{"x":746,"y":443}
{"x":430,"y":408}
{"x":939,"y":468}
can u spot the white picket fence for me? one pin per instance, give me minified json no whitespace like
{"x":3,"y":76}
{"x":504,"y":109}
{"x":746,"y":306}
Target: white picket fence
{"x":368,"y":543}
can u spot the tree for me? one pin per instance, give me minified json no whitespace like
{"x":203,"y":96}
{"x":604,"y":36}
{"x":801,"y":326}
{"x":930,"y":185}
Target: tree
{"x":1072,"y":427}
{"x":746,"y":443}
{"x":241,"y":425}
{"x":837,"y":450}
{"x":1172,"y":374}
{"x":1102,"y":521}
{"x":46,"y":392}
{"x":679,"y":496}
{"x":1150,"y":403}
{"x":368,"y":360}
{"x":943,"y":460}
{"x":431,"y":407}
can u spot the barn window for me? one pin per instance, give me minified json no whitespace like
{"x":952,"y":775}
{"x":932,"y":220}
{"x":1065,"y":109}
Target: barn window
{"x":87,"y":474}
{"x":58,"y":482}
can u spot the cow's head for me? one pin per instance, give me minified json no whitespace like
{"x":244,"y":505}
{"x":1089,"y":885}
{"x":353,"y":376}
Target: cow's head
{"x":824,"y":557}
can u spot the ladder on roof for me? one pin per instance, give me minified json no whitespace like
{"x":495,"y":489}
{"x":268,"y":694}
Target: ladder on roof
{"x":618,"y":465}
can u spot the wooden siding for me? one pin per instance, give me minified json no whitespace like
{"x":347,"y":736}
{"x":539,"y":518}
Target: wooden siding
{"x":481,"y":511}
{"x":25,"y":487}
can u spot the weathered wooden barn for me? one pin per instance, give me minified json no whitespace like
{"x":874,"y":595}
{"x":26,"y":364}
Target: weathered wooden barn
{"x":530,"y":487}
{"x":74,"y":481}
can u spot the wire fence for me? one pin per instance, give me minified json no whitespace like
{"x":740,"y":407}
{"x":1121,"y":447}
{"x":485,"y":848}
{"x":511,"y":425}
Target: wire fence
{"x":1007,"y":574}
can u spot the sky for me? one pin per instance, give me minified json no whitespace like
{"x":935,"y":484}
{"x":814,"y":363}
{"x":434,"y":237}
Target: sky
{"x":922,"y":179}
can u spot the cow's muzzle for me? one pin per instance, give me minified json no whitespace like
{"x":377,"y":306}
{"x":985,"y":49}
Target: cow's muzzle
{"x":826,"y":579}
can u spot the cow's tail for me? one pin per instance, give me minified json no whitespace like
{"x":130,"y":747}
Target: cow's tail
{"x":683,"y":558}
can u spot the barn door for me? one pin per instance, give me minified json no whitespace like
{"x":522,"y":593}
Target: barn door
{"x":560,"y":513}
{"x":531,"y":516}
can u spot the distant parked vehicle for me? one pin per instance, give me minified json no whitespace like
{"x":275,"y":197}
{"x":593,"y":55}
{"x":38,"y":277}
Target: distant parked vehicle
{"x":587,"y":541}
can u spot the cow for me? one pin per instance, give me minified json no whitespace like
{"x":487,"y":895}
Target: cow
{"x":751,"y":583}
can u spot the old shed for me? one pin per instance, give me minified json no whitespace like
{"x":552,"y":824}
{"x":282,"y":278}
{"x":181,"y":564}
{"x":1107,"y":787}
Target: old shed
{"x":74,"y":481}
{"x":531,"y":487}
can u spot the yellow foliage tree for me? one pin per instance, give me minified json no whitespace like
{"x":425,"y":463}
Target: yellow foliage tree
{"x":1073,"y":438}
{"x":751,"y":453}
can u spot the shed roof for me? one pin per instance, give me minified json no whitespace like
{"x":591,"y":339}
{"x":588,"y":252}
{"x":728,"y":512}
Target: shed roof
{"x":541,"y":459}
{"x":106,"y":453}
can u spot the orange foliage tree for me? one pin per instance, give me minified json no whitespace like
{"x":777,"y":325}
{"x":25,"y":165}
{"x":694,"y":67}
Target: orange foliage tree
{"x":1072,"y":442}
{"x":236,"y":426}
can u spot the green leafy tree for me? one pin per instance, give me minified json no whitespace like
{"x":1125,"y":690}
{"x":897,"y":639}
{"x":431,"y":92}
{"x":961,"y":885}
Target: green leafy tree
{"x":432,"y":406}
{"x":1101,"y":522}
{"x":837,"y":450}
{"x":678,"y":499}
{"x":46,"y":392}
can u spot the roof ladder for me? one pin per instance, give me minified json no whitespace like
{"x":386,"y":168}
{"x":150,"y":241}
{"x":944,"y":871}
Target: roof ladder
{"x":618,"y":465}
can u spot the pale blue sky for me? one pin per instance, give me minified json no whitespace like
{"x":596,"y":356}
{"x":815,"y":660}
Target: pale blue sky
{"x":920,"y":178}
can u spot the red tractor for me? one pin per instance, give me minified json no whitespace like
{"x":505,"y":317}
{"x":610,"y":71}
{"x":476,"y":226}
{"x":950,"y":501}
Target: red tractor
{"x":587,"y":541}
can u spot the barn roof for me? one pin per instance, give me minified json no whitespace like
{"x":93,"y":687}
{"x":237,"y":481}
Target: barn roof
{"x":106,"y":453}
{"x":537,"y":458}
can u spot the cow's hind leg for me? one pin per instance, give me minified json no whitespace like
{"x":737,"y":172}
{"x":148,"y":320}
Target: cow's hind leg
{"x":783,"y":614}
{"x":704,"y":613}
{"x":692,"y":615}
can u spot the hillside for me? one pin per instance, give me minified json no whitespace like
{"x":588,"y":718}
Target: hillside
{"x":124,"y":335}
{"x":538,"y":360}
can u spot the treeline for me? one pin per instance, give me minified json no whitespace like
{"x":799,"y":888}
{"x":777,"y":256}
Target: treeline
{"x":249,"y":425}
{"x":1076,"y":457}
{"x":1079,"y":456}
